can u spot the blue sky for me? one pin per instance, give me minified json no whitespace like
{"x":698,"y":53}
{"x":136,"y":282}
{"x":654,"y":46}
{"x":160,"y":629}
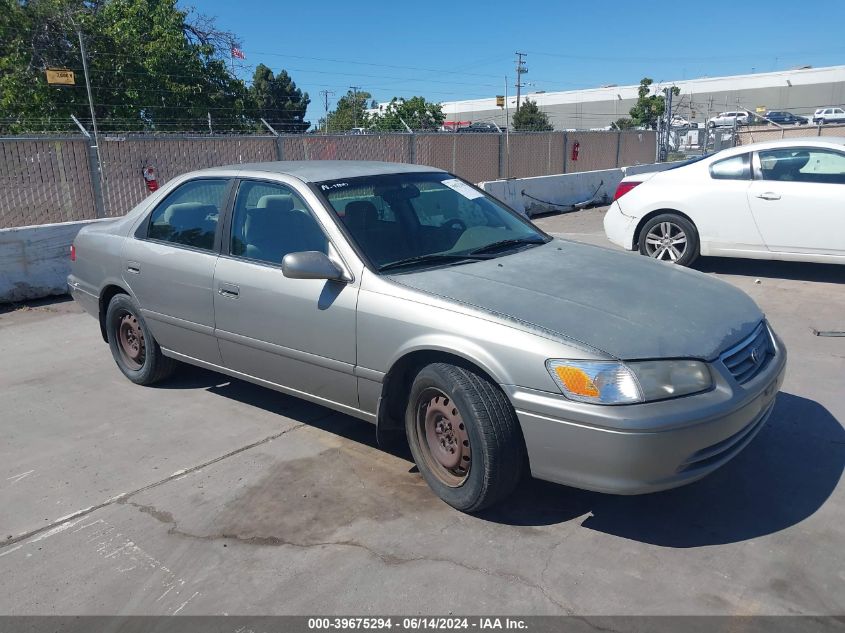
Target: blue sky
{"x":461,"y":50}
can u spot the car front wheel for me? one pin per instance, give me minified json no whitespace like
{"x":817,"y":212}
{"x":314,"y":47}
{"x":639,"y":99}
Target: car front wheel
{"x":671,"y":238}
{"x":133,"y":347}
{"x":464,"y":436}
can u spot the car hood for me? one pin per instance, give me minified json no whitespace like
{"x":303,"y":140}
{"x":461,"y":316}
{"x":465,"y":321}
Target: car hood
{"x":626,"y":306}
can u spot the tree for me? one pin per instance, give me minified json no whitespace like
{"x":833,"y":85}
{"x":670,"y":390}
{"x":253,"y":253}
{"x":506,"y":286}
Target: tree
{"x":530,"y":118}
{"x":416,"y":112}
{"x":277,"y":100}
{"x":624,"y":124}
{"x":649,"y":107}
{"x":350,"y":112}
{"x":152,"y":66}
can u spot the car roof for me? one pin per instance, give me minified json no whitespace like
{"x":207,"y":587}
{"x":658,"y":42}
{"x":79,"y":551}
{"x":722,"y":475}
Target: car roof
{"x":319,"y":170}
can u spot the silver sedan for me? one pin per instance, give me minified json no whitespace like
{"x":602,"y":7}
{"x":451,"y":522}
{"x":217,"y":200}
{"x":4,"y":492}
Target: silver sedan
{"x":409,"y":298}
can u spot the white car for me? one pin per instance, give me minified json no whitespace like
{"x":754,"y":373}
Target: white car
{"x":829,"y":115}
{"x":729,"y":119}
{"x":781,"y":199}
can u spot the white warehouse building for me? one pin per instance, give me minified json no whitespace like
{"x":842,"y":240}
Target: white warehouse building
{"x":799,"y":91}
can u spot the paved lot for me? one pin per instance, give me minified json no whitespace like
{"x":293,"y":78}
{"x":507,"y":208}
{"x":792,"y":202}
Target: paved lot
{"x":208,"y":495}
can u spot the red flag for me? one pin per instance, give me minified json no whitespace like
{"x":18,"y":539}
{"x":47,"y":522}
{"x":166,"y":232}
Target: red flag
{"x":236,"y":52}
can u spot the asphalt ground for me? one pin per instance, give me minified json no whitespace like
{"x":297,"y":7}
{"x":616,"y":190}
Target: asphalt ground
{"x":208,"y":495}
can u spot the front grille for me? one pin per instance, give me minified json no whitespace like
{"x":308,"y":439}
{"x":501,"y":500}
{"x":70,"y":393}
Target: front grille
{"x":748,"y":359}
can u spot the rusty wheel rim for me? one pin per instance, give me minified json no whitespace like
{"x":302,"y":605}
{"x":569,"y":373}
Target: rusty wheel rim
{"x":130,"y":339}
{"x":443,"y":437}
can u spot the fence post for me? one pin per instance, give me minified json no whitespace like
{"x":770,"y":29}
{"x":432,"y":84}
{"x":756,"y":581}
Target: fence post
{"x":454,"y":151}
{"x":412,"y":148}
{"x":565,"y":148}
{"x":280,"y":147}
{"x":618,"y":146}
{"x":501,"y":155}
{"x":96,"y":182}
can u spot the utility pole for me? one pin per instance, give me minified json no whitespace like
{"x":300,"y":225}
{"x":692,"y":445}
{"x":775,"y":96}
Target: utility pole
{"x":326,"y":94}
{"x":90,"y":98}
{"x":355,"y":90}
{"x":520,"y":70}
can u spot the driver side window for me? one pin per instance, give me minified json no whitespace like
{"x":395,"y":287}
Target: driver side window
{"x":797,"y":164}
{"x":270,"y":221}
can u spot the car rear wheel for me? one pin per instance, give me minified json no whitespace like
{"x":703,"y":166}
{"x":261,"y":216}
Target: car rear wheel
{"x":133,"y":347}
{"x":464,"y":436}
{"x":671,"y":238}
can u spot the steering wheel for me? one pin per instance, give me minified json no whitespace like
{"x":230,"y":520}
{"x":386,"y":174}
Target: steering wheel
{"x":455,"y":223}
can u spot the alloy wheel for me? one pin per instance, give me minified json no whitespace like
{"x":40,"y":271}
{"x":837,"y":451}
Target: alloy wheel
{"x":666,"y":241}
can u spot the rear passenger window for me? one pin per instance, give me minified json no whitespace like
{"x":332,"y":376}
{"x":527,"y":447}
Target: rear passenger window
{"x":189,"y":215}
{"x":733,"y":168}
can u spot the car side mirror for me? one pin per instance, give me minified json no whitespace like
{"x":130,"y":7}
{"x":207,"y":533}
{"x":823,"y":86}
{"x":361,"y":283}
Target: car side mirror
{"x":311,"y":265}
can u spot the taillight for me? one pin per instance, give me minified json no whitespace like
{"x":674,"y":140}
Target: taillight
{"x":624,"y":187}
{"x":72,"y":253}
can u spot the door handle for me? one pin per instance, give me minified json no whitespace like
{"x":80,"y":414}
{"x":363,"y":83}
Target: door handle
{"x":133,"y":267}
{"x":228,"y":290}
{"x":769,"y":195}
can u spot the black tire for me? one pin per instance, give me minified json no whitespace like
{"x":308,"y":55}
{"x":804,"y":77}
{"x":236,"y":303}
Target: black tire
{"x":151,"y":366}
{"x":677,"y":224}
{"x":490,"y":426}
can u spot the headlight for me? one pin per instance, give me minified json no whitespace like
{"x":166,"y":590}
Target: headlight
{"x":611,"y":382}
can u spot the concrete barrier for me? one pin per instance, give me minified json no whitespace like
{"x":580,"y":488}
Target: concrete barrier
{"x":560,"y":192}
{"x":35,"y":260}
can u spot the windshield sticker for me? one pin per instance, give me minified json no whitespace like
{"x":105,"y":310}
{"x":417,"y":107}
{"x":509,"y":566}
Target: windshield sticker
{"x":337,"y":185}
{"x":462,"y":188}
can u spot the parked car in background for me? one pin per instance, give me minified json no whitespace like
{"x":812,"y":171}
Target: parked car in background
{"x":679,"y":121}
{"x":404,"y":296}
{"x":729,"y":119}
{"x":829,"y":115}
{"x":786,"y":118}
{"x":776,"y":200}
{"x":489,"y":128}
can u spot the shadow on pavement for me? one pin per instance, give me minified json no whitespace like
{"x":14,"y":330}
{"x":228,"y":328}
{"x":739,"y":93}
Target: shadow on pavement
{"x":780,"y":479}
{"x":784,"y":476}
{"x":767,"y":269}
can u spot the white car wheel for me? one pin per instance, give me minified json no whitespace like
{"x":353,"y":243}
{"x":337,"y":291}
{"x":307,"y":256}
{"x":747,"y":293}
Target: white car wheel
{"x":670,"y":238}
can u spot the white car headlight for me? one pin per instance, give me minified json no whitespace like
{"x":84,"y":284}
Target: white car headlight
{"x":612,"y":382}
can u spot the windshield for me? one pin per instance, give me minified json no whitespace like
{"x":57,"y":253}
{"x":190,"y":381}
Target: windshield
{"x":406,"y":221}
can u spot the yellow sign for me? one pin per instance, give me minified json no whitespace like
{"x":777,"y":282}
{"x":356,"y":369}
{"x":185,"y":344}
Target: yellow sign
{"x":761,"y":109}
{"x":500,"y":101}
{"x":60,"y":76}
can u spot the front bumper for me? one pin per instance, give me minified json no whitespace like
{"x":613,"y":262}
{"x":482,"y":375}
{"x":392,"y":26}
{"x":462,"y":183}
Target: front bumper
{"x":641,"y":448}
{"x":619,"y":228}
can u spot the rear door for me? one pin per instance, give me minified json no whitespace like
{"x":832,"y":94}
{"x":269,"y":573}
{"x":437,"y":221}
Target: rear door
{"x":169,"y":266}
{"x":298,"y":333}
{"x":798,"y":199}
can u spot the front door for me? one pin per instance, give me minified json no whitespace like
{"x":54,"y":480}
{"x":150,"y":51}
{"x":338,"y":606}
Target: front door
{"x":297,"y":333}
{"x":169,"y":266}
{"x":798,"y":200}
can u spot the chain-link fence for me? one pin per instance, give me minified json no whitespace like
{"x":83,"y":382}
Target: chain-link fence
{"x":57,"y":179}
{"x":770,"y":133}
